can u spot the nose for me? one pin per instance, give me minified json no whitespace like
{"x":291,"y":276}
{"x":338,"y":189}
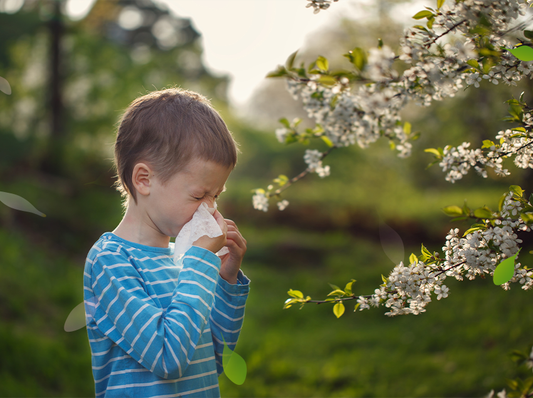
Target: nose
{"x":210,"y":202}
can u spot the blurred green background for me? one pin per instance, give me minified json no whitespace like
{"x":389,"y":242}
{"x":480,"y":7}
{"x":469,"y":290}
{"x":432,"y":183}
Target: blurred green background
{"x":56,"y":138}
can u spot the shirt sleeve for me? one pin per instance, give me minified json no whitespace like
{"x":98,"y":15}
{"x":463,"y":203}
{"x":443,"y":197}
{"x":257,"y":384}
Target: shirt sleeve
{"x":227,"y":315}
{"x":163,"y":341}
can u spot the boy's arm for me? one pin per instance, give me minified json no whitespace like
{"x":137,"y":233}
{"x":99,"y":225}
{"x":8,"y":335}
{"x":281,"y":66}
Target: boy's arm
{"x":163,"y":341}
{"x":227,"y":315}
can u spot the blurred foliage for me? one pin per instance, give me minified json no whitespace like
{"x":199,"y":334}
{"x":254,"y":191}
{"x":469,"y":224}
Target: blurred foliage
{"x":327,"y":231}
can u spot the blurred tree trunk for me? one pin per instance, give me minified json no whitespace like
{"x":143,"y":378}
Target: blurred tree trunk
{"x":52,"y":161}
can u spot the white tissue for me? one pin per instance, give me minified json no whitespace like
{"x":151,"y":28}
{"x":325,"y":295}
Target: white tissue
{"x":202,"y":223}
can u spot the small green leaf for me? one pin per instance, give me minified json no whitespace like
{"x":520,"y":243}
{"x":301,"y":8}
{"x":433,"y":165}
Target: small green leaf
{"x":234,"y":365}
{"x":290,"y":302}
{"x":528,"y":34}
{"x":452,"y":211}
{"x":527,"y":218}
{"x":357,"y":57}
{"x":470,"y":230}
{"x":473,"y":63}
{"x":440,"y":3}
{"x":488,"y":144}
{"x":279,"y":72}
{"x":322,"y":63}
{"x":483,"y":212}
{"x":504,"y":272}
{"x":338,"y":309}
{"x":327,"y":141}
{"x":295,"y":293}
{"x":517,"y":190}
{"x":348,"y":287}
{"x":523,"y":53}
{"x":407,"y":128}
{"x":434,"y":151}
{"x":327,"y":80}
{"x":337,"y":292}
{"x":423,"y":14}
{"x":290,"y":61}
{"x":413,"y":259}
{"x":426,"y":254}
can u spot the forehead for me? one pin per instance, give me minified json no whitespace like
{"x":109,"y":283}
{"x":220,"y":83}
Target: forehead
{"x":206,"y":175}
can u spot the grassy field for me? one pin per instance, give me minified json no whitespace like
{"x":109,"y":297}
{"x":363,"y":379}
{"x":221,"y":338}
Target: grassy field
{"x":459,"y":348}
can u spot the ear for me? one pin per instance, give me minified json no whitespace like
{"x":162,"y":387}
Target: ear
{"x":142,"y":176}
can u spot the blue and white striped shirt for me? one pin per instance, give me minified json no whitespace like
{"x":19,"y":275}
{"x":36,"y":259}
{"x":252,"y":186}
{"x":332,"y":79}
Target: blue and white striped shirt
{"x":155,"y":327}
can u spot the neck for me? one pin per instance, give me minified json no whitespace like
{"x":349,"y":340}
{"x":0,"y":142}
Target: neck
{"x":136,"y":228}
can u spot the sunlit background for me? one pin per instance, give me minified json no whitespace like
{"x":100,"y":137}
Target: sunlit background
{"x":73,"y":66}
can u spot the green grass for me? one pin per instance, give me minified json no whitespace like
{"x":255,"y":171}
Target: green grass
{"x":458,"y":348}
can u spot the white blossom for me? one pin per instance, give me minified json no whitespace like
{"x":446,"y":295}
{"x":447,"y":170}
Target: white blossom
{"x":260,"y":201}
{"x":283,"y":204}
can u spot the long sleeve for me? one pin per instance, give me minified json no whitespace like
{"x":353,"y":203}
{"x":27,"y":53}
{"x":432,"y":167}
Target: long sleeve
{"x":227,"y":315}
{"x":161,"y":340}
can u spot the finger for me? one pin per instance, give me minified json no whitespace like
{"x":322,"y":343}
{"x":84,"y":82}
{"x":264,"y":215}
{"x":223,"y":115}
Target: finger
{"x":237,"y":238}
{"x":221,"y":222}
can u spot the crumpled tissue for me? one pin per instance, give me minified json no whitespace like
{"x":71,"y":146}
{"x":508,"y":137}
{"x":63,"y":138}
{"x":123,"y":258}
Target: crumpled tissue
{"x":202,"y":223}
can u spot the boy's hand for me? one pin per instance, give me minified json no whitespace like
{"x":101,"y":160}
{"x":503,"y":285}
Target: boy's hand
{"x":231,"y":262}
{"x":214,"y":244}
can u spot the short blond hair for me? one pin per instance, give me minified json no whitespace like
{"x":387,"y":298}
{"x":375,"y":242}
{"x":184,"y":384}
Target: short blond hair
{"x":166,"y":129}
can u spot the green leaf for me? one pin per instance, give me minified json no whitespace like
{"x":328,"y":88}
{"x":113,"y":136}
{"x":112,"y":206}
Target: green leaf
{"x":234,"y":365}
{"x":440,"y":3}
{"x":290,"y":302}
{"x":430,"y":22}
{"x":285,"y":122}
{"x":423,"y":14}
{"x":327,"y":141}
{"x":290,"y":61}
{"x":327,"y":80}
{"x":483,"y":212}
{"x":504,"y":272}
{"x":434,"y":151}
{"x":413,"y":259}
{"x":426,"y":254}
{"x":357,"y":57}
{"x":348,"y":287}
{"x":295,"y":293}
{"x":452,"y":211}
{"x":322,"y":63}
{"x":336,"y":292}
{"x":338,"y":309}
{"x":333,"y":101}
{"x":528,"y":34}
{"x":501,"y":202}
{"x":279,"y":72}
{"x":517,"y":190}
{"x":523,"y":53}
{"x":473,"y":63}
{"x":470,"y":230}
{"x":488,"y":144}
{"x":407,"y":128}
{"x":527,"y":217}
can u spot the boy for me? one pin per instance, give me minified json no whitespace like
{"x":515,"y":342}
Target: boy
{"x":157,"y":329}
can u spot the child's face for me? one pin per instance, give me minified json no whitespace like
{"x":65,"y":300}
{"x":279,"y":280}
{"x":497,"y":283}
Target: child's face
{"x":172,"y":205}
